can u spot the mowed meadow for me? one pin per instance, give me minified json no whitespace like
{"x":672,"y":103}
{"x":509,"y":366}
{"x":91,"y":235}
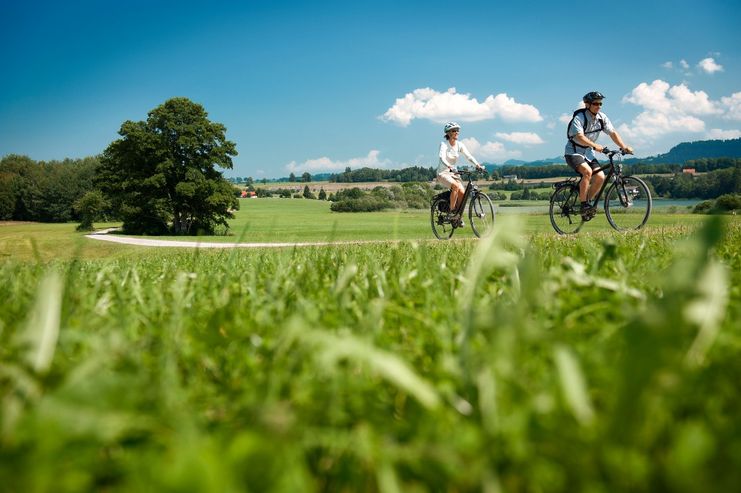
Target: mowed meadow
{"x":524,"y":361}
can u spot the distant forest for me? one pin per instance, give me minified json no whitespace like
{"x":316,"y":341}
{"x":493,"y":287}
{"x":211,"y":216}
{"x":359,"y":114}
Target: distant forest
{"x":687,"y":151}
{"x":633,"y":168}
{"x":413,"y":173}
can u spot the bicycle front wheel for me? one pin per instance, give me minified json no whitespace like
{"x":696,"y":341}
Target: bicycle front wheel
{"x":481,"y":214}
{"x":441,"y":227}
{"x":628,"y":203}
{"x":564,"y":210}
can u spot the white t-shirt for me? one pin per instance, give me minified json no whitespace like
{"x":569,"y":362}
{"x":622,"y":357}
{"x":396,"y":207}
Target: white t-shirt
{"x":449,"y":155}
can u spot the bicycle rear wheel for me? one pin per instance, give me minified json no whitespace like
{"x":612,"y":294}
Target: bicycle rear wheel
{"x":628,"y":203}
{"x":564,"y":210}
{"x":441,"y":227}
{"x":481,"y":214}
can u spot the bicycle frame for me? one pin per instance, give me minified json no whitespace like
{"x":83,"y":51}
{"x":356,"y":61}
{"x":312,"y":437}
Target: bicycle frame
{"x":466,"y":194}
{"x":611,"y":167}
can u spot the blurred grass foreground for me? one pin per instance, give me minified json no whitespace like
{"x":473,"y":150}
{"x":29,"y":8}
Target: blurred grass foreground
{"x":600,"y":363}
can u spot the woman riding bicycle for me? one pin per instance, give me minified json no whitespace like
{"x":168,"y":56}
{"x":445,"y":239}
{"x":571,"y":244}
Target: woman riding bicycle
{"x":450,"y":150}
{"x":582,"y":134}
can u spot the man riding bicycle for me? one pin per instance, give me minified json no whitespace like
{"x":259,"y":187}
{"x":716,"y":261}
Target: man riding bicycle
{"x":582,"y":133}
{"x":450,"y":149}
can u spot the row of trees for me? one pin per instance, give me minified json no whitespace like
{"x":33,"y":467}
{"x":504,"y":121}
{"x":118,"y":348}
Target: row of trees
{"x":44,"y":191}
{"x":408,"y":195}
{"x":633,"y":168}
{"x":706,"y":186}
{"x":411,"y":174}
{"x":286,"y":193}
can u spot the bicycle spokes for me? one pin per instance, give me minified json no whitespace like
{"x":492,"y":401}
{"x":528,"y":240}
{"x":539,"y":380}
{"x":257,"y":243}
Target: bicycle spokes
{"x":564,"y":210}
{"x":628,"y":203}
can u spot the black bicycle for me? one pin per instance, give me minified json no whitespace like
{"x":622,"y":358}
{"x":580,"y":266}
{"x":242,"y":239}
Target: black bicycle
{"x":480,"y":210}
{"x":627,"y":202}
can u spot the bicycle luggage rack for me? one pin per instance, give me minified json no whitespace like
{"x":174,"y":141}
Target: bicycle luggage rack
{"x":569,"y":181}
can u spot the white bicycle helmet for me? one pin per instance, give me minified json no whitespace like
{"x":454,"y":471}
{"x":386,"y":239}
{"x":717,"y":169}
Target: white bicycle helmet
{"x":451,"y":126}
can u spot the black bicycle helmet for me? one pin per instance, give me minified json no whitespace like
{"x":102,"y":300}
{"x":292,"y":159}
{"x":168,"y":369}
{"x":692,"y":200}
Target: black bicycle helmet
{"x":593,"y":96}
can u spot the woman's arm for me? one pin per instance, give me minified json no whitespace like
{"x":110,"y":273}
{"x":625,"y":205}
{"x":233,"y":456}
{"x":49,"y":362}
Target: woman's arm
{"x":444,"y":156}
{"x":469,"y":156}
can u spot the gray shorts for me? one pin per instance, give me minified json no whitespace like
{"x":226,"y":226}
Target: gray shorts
{"x":575,"y":160}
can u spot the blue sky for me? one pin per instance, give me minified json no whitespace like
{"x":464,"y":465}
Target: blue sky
{"x":318,"y":86}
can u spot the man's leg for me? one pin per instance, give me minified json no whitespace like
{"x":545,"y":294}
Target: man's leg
{"x":586,"y":172}
{"x":597,"y":181}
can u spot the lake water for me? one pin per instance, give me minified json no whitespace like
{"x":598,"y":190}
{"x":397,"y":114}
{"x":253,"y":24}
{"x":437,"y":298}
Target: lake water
{"x":658,"y":204}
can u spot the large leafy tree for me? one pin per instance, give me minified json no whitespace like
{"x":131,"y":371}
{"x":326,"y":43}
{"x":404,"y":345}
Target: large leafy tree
{"x":161,"y":176}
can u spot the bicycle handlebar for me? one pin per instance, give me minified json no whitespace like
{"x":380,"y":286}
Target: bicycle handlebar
{"x":610,"y":153}
{"x":466,"y":171}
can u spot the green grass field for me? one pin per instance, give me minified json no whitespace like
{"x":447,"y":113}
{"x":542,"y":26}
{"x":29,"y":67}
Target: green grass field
{"x":522,"y":362}
{"x":288,"y":220}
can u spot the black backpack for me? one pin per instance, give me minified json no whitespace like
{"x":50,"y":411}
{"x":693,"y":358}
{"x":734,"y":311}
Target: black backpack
{"x":582,"y":112}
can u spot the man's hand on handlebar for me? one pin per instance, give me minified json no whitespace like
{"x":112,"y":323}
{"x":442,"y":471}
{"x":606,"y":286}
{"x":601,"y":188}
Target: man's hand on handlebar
{"x":623,"y":151}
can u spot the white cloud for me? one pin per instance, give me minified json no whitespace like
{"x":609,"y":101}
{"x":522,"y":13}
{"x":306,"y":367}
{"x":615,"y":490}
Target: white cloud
{"x":732,"y":105}
{"x":439,"y":107}
{"x":490,"y":151}
{"x":325,"y":164}
{"x":565,"y":118}
{"x":525,"y":138}
{"x":683,"y":63}
{"x":709,"y":65}
{"x":670,"y":109}
{"x":717,"y":133}
{"x":668,"y":65}
{"x":654,"y":124}
{"x":660,"y":96}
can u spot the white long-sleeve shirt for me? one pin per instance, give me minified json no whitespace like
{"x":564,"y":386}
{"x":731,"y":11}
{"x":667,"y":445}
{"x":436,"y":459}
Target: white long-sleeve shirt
{"x":449,"y":155}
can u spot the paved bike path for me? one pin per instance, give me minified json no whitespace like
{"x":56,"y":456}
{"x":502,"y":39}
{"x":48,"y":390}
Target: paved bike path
{"x":103,"y":235}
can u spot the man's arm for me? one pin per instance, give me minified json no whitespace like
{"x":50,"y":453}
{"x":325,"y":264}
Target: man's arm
{"x":619,"y":142}
{"x":582,"y":139}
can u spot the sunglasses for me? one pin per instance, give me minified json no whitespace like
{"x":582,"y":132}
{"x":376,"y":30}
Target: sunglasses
{"x":597,"y":104}
{"x":456,"y":130}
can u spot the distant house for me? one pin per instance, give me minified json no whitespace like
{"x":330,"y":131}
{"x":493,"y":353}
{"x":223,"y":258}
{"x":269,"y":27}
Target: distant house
{"x":248,"y":195}
{"x":510,"y":177}
{"x":689,"y":171}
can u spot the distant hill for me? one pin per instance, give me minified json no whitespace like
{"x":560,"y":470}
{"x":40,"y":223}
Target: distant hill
{"x":678,"y":154}
{"x":698,"y":150}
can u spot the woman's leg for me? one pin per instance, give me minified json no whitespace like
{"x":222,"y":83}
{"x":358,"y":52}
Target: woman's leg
{"x":456,"y":195}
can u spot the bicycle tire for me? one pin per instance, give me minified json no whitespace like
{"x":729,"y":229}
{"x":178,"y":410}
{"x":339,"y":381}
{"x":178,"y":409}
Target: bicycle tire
{"x":481,"y":214}
{"x":628,"y":203}
{"x":564,"y":210}
{"x":441,"y":227}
